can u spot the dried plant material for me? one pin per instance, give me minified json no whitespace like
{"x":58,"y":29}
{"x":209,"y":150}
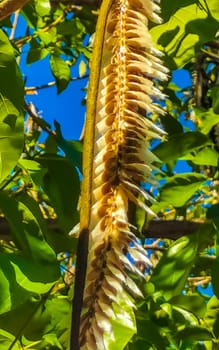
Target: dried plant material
{"x":122,"y":101}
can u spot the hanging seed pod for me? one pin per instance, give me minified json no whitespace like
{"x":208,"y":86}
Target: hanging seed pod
{"x":117,"y":159}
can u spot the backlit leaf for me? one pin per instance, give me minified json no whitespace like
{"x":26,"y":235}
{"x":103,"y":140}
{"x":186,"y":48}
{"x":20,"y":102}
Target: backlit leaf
{"x":11,"y":108}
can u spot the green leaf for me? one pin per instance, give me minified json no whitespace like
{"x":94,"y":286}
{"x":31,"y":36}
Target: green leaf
{"x":11,"y":108}
{"x":30,"y":15}
{"x":62,"y":185}
{"x":212,"y":315}
{"x":215,"y":279}
{"x":43,"y":7}
{"x":214,"y":93}
{"x":36,"y":52}
{"x":179,"y":145}
{"x":213,"y":8}
{"x":174,"y":266}
{"x":6,"y":339}
{"x":206,"y":119}
{"x":27,"y":226}
{"x":179,"y":189}
{"x":183,"y":35}
{"x":60,"y":71}
{"x":124,"y":326}
{"x":72,"y":149}
{"x":194,"y":333}
{"x":193,"y":303}
{"x":171,"y":272}
{"x":171,"y":125}
{"x":150,"y":333}
{"x":207,"y":156}
{"x":21,"y":277}
{"x":59,"y":310}
{"x":34,"y":169}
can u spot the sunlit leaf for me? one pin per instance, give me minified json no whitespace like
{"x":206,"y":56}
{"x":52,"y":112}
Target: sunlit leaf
{"x":193,"y":303}
{"x":11,"y":108}
{"x":184,"y":33}
{"x":27,"y":227}
{"x":179,"y":189}
{"x":43,"y":7}
{"x":21,"y":278}
{"x":178,"y":145}
{"x":172,"y":270}
{"x":61,"y":72}
{"x":212,"y":315}
{"x":6,"y":339}
{"x":206,"y":156}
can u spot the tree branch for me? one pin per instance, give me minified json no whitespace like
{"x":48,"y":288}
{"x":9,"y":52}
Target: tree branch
{"x":7,"y":7}
{"x":172,"y":229}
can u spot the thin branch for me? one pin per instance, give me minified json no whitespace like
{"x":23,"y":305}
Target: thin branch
{"x":32,"y":89}
{"x":7,"y":7}
{"x":14,"y":26}
{"x":30,"y":108}
{"x":172,"y":229}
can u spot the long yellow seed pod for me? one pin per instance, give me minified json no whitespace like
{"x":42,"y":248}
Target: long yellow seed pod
{"x":116,"y":159}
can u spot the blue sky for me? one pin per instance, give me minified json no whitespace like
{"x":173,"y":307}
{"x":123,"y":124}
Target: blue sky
{"x":66,"y":107}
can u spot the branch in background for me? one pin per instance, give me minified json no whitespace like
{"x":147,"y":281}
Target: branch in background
{"x":33,"y":89}
{"x":31,"y":110}
{"x":172,"y":229}
{"x":7,"y":7}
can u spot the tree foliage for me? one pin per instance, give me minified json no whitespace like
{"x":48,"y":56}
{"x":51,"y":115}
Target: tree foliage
{"x":40,"y":176}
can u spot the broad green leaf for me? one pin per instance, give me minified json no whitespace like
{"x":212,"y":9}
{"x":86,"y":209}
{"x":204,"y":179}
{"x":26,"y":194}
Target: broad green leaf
{"x":61,"y":72}
{"x":27,"y":227}
{"x":206,"y":156}
{"x":214,"y":275}
{"x":213,"y":8}
{"x":62,"y":185}
{"x":170,"y":274}
{"x":185,"y":32}
{"x":58,"y":241}
{"x":171,"y":125}
{"x":149,"y":332}
{"x":214,"y":93}
{"x":73,"y":27}
{"x":179,"y":189}
{"x":59,"y":310}
{"x":173,"y":268}
{"x":6,"y":339}
{"x":20,"y":278}
{"x":11,"y":108}
{"x":193,"y":303}
{"x":170,"y":8}
{"x":179,"y":145}
{"x":206,"y":119}
{"x":37,"y":52}
{"x":212,"y":315}
{"x":30,"y":318}
{"x":124,"y":325}
{"x":34,"y":169}
{"x":43,"y":7}
{"x":50,"y":341}
{"x":194,"y":333}
{"x":30,"y":15}
{"x":72,"y":149}
{"x":48,"y":38}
